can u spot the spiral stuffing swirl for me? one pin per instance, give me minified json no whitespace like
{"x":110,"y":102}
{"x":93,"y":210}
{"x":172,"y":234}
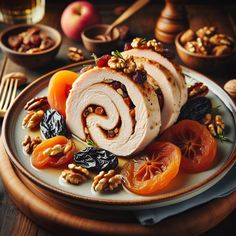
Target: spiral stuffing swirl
{"x":118,"y":114}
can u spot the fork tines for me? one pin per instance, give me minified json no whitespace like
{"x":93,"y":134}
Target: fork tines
{"x":8,"y":88}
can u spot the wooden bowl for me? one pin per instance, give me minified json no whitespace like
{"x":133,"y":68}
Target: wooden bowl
{"x":98,"y":46}
{"x":30,"y":60}
{"x":204,"y":63}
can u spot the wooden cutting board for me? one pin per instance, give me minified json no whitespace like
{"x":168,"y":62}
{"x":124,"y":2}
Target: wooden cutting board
{"x":61,"y":217}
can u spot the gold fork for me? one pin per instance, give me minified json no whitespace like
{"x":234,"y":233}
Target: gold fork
{"x":8,"y":89}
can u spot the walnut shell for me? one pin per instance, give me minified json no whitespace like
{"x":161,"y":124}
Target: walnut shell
{"x":230,"y":87}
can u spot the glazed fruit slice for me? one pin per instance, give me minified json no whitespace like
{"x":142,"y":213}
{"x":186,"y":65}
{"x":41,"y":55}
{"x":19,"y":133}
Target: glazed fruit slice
{"x":154,"y":170}
{"x":59,"y":88}
{"x":197,"y":145}
{"x":43,"y":155}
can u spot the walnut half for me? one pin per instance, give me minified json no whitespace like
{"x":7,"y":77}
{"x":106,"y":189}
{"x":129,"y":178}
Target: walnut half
{"x":75,"y":174}
{"x":30,"y":144}
{"x":37,"y":103}
{"x":32,"y":119}
{"x":109,"y":181}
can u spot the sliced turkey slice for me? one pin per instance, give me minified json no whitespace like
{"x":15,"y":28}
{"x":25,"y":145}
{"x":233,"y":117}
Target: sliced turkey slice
{"x":168,"y":64}
{"x":162,"y":78}
{"x":134,"y":133}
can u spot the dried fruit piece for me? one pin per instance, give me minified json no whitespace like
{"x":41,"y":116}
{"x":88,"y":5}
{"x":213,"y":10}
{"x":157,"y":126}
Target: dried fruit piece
{"x":195,"y":109}
{"x":99,"y":111}
{"x":53,"y":124}
{"x":59,"y":88}
{"x":42,"y":159}
{"x":96,"y":159}
{"x":197,"y":145}
{"x":103,"y":61}
{"x":111,"y":134}
{"x":140,"y":76}
{"x":153,"y":171}
{"x":127,"y":46}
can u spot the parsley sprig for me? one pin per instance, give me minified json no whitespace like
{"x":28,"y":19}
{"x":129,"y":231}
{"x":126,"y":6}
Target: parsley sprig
{"x":90,"y":142}
{"x":143,"y":40}
{"x":117,"y":54}
{"x":222,"y":138}
{"x":94,"y":56}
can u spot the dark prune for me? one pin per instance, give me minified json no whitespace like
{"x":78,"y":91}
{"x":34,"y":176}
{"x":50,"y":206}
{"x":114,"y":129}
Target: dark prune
{"x":140,"y":76}
{"x":53,"y":124}
{"x":96,"y":159}
{"x":195,"y":109}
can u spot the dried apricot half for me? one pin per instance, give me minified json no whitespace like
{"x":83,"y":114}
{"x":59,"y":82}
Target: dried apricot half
{"x":53,"y":152}
{"x":154,"y":170}
{"x":58,"y":90}
{"x":197,"y":145}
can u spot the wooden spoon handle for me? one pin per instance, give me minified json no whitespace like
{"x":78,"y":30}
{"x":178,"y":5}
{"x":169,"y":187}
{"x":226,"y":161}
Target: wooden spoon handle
{"x":129,"y":12}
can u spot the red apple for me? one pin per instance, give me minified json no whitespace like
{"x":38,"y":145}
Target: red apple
{"x":76,"y":17}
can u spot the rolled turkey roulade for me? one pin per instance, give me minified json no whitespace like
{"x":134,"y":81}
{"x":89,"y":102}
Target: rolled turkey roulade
{"x":135,"y":123}
{"x":160,"y":77}
{"x":168,"y":64}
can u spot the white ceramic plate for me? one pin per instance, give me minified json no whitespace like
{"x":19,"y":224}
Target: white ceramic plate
{"x":183,"y":187}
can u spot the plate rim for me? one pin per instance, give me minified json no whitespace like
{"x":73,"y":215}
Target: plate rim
{"x":107,"y":202}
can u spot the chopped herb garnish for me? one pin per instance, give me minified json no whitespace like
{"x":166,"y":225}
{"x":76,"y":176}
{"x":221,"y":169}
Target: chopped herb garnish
{"x":222,"y":138}
{"x":143,"y":41}
{"x":90,"y":143}
{"x":117,"y":54}
{"x":94,"y":56}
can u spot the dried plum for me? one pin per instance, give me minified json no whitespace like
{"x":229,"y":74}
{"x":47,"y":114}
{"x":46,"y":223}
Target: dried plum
{"x":195,"y":109}
{"x":96,"y":159}
{"x":53,"y":124}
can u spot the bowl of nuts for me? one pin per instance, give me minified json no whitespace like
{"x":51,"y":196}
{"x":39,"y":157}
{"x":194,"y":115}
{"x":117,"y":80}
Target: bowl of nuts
{"x":205,"y":49}
{"x":30,"y":46}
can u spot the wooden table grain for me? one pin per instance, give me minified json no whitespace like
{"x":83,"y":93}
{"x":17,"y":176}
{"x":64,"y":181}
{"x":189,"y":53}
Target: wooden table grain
{"x":12,"y":221}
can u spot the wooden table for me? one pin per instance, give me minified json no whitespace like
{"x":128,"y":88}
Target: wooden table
{"x":12,"y":221}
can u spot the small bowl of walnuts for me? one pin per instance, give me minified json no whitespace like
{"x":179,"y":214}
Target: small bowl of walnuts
{"x":30,"y":46}
{"x":205,"y":49}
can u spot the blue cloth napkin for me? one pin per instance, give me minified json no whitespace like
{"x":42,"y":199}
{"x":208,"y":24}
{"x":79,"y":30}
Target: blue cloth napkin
{"x":223,"y":188}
